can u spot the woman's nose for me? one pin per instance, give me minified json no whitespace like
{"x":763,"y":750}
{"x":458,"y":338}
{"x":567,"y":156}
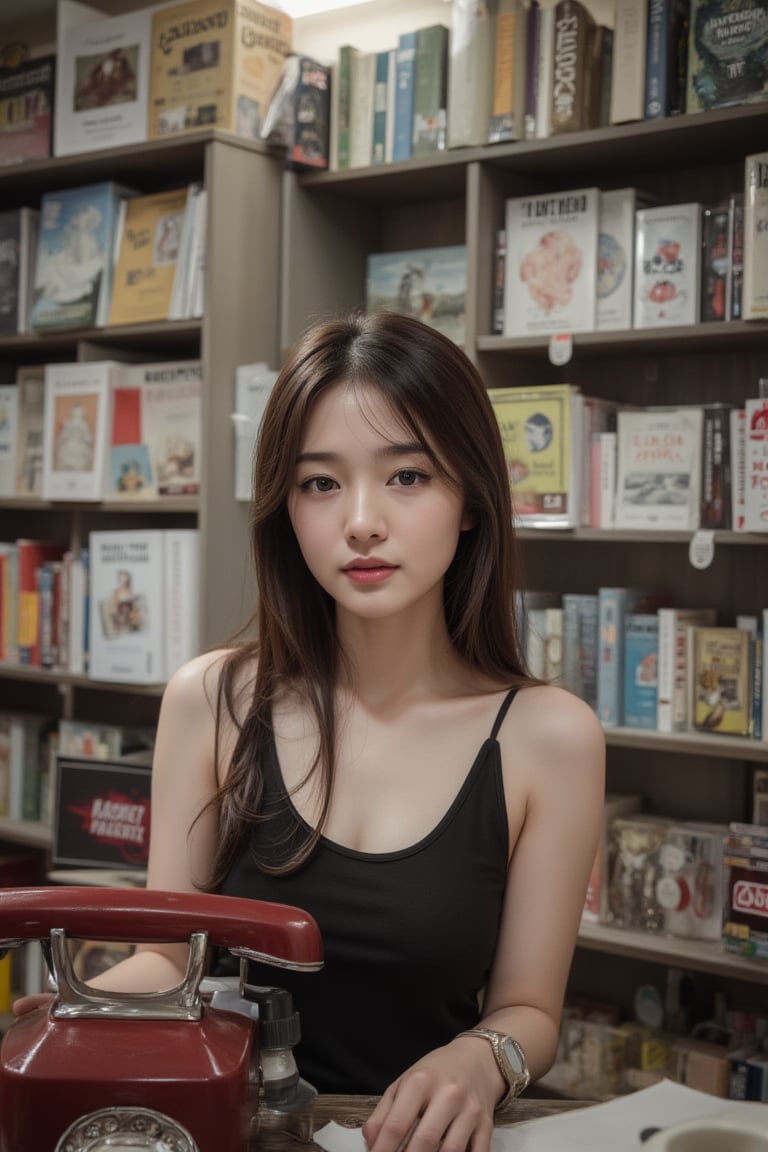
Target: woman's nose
{"x":365,"y":519}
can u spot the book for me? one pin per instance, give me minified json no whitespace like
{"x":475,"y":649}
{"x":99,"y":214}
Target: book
{"x":405,"y":69}
{"x":9,"y":597}
{"x":599,"y":416}
{"x":580,"y":645}
{"x":606,"y":451}
{"x":595,"y":910}
{"x":716,"y":467}
{"x":130,"y":471}
{"x":78,"y":399}
{"x":755,"y":273}
{"x":380,"y":101}
{"x":9,"y":419}
{"x":756,"y":466}
{"x":674,"y":662}
{"x":26,"y":110}
{"x":760,"y":797}
{"x":658,"y":483}
{"x":181,"y":583}
{"x":32,"y":554}
{"x":531,"y":69}
{"x":664,"y":91}
{"x":721,"y":676}
{"x":735,"y":274}
{"x":551,"y":270}
{"x":362,"y":68}
{"x":102,"y":78}
{"x":667,"y":265}
{"x":299,"y":114}
{"x":215,"y":64}
{"x":471,"y":72}
{"x":738,"y":455}
{"x":427,"y":283}
{"x":18,"y":245}
{"x":347,"y":53}
{"x":574,"y":107}
{"x":641,"y":640}
{"x":616,"y":258}
{"x":541,"y":435}
{"x":545,"y":65}
{"x":714,"y":263}
{"x":253,"y":386}
{"x":171,"y":414}
{"x":430,"y":93}
{"x":613,"y":605}
{"x":127,"y":606}
{"x":508,"y":69}
{"x":30,"y":382}
{"x":726,"y":54}
{"x":629,"y":61}
{"x":73,"y":270}
{"x":147,"y":251}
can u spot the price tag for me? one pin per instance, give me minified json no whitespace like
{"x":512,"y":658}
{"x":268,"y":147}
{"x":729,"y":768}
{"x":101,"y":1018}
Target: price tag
{"x":560,"y":348}
{"x":701,"y":550}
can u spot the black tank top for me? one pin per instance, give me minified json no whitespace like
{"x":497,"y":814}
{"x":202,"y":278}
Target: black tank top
{"x":409,"y":936}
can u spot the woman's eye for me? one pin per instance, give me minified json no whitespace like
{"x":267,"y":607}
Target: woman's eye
{"x":407,"y":477}
{"x":318,"y":484}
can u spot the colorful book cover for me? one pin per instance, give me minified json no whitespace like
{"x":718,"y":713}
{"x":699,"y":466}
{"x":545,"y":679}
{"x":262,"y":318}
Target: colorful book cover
{"x":102,"y":80}
{"x":18,"y":243}
{"x":722,"y":680}
{"x":127,"y":606}
{"x":215,"y":64}
{"x":667,"y":266}
{"x":32,"y":554}
{"x":714,"y":263}
{"x":427,"y":283}
{"x":30,"y":382}
{"x":658,"y":482}
{"x":26,"y":110}
{"x":73,"y":274}
{"x":299,"y":115}
{"x":147,"y":244}
{"x":9,"y":420}
{"x":674,"y":662}
{"x":551,"y":273}
{"x":641,"y":639}
{"x":727,"y":59}
{"x":613,"y":604}
{"x":171,"y":406}
{"x":540,"y":429}
{"x":755,"y":290}
{"x":78,"y":401}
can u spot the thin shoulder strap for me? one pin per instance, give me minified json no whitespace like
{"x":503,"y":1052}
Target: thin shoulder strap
{"x":502,"y":712}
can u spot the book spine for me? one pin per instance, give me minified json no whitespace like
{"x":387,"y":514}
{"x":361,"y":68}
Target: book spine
{"x":608,"y":449}
{"x":658,"y":49}
{"x":714,"y":263}
{"x":571,"y":90}
{"x":665,"y":668}
{"x":610,"y":675}
{"x":344,"y":80}
{"x":735,"y":276}
{"x":505,"y":118}
{"x":378,"y":155}
{"x":500,"y":261}
{"x":181,"y":594}
{"x":640,"y":676}
{"x":404,"y":75}
{"x":430,"y":101}
{"x":716,"y":469}
{"x":545,"y":67}
{"x":755,"y":291}
{"x":738,"y":454}
{"x":532,"y":70}
{"x":361,"y":114}
{"x":389,"y":140}
{"x":628,"y":74}
{"x":470,"y":74}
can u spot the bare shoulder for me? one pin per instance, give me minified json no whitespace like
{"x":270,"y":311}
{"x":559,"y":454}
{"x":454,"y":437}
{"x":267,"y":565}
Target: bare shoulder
{"x":194,"y":687}
{"x":553,"y":734}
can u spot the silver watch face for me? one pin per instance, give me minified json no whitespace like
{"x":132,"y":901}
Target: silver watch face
{"x":512,"y":1053}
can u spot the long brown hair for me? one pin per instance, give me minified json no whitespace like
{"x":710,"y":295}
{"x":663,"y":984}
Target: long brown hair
{"x":438,"y":396}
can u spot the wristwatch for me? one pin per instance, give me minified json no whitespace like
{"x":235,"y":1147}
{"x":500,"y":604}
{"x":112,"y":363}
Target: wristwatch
{"x":510,"y":1060}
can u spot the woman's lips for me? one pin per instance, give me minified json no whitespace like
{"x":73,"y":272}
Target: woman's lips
{"x":369,"y":573}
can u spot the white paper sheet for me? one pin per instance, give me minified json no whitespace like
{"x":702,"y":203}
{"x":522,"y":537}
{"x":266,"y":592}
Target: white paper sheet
{"x":611,"y":1127}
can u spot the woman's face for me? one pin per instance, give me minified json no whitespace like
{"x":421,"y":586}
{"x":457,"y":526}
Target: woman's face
{"x":376,"y":524}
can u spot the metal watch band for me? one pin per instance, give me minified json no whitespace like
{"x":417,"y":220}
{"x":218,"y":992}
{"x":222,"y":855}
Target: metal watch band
{"x":516,"y":1082}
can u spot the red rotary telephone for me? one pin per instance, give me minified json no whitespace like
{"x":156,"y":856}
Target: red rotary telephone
{"x":98,"y":1070}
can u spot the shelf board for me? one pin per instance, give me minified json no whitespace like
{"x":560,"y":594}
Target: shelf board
{"x":159,"y":336}
{"x":636,"y":536}
{"x":697,"y":955}
{"x":684,"y":339}
{"x":160,"y":506}
{"x":10,"y":671}
{"x":29,"y":832}
{"x":689,"y":743}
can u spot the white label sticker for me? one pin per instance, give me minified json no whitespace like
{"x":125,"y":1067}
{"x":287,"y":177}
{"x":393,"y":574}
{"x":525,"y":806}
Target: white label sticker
{"x":560,"y":348}
{"x":701,"y":550}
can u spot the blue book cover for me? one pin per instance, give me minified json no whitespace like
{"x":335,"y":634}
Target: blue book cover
{"x":130,"y":470}
{"x":73,"y":274}
{"x":380,"y":108}
{"x":641,"y":647}
{"x":404,"y":76}
{"x":663,"y":76}
{"x":580,"y":645}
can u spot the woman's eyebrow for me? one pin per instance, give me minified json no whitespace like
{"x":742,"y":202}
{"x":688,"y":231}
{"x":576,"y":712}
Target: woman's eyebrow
{"x":386,"y":451}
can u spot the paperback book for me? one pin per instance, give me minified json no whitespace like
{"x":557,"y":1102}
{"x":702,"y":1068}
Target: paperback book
{"x":616,"y":258}
{"x":755,"y":290}
{"x":78,"y":400}
{"x":102,"y":81}
{"x":73,"y":276}
{"x":127,"y":606}
{"x":727,"y":61}
{"x":641,"y":641}
{"x":9,"y":419}
{"x":674,"y":664}
{"x":541,"y":434}
{"x":29,"y":443}
{"x":429,"y":284}
{"x":551,"y":266}
{"x":147,"y":251}
{"x":667,"y":266}
{"x":756,"y":466}
{"x":722,"y":676}
{"x":658,"y":484}
{"x":18,"y":244}
{"x":26,"y":110}
{"x":171,"y":407}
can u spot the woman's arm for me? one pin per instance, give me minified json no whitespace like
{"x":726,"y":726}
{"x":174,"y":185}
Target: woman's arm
{"x":553,"y":752}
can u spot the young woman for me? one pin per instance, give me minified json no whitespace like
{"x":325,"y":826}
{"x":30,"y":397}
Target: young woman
{"x":379,"y":756}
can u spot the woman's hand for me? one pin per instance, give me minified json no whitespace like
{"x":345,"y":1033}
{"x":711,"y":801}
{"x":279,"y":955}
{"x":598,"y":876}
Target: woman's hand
{"x":445,"y":1100}
{"x":26,"y":1004}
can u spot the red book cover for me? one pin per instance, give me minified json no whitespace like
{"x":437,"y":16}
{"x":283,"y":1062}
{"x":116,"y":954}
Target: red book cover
{"x":32,"y":554}
{"x":126,"y":416}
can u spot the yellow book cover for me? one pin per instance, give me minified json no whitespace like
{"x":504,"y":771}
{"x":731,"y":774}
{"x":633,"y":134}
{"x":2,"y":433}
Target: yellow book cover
{"x":539,"y":428}
{"x":722,"y":680}
{"x":147,"y":257}
{"x":215,"y":64}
